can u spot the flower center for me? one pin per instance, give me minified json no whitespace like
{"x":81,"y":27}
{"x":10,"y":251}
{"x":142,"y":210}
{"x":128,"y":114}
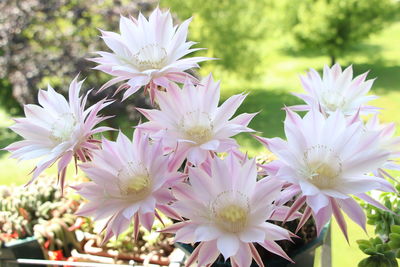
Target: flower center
{"x":134,"y":181}
{"x":230,"y":211}
{"x":63,"y":127}
{"x":332,"y":100}
{"x":199,"y":134}
{"x":323,"y":167}
{"x":150,"y":56}
{"x":197,"y":127}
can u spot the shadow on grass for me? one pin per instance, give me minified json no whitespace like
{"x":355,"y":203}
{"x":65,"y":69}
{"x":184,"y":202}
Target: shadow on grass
{"x":6,"y":138}
{"x":372,"y":50}
{"x":388,"y":76}
{"x":269,"y":122}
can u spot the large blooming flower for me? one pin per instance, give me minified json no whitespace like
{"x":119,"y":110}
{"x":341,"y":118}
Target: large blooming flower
{"x":147,"y":53}
{"x":130,"y":181}
{"x":327,"y":160}
{"x":57,"y":130}
{"x":226,"y":212}
{"x":190,"y":121}
{"x":336,"y":91}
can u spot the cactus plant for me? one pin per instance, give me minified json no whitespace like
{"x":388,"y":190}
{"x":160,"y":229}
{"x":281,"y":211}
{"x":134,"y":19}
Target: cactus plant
{"x":55,"y":234}
{"x":385,"y":247}
{"x":38,"y":210}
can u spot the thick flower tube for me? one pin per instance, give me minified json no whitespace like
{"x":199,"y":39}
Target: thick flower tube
{"x":191,"y":123}
{"x":327,"y":160}
{"x":147,"y":53}
{"x":226,"y":212}
{"x":336,"y":90}
{"x":130,"y":181}
{"x":57,"y":130}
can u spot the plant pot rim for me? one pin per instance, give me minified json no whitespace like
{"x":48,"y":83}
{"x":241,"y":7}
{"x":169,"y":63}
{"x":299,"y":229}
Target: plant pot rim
{"x":17,"y":242}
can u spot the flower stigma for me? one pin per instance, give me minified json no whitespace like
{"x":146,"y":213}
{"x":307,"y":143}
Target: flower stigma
{"x":197,"y":127}
{"x":63,"y":127}
{"x":150,"y":56}
{"x":323,"y":167}
{"x":332,"y":100}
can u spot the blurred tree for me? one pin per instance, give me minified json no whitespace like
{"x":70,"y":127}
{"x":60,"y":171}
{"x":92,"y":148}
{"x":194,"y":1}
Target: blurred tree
{"x":47,"y":41}
{"x":334,"y":26}
{"x":231,"y":30}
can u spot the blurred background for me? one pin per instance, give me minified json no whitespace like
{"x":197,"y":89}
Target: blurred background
{"x":262,"y":46}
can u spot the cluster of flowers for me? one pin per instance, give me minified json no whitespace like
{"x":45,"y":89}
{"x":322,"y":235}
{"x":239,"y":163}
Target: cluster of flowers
{"x":174,"y":165}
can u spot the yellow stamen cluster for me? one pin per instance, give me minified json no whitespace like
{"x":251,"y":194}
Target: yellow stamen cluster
{"x":233,"y":218}
{"x":323,"y":176}
{"x":138,"y":184}
{"x":230,"y":211}
{"x":197,"y":126}
{"x":134,"y":181}
{"x":199,"y":134}
{"x":323,"y":167}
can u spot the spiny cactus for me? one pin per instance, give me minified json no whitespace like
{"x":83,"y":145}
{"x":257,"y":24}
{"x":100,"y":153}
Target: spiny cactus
{"x":383,"y":220}
{"x":385,"y":248}
{"x":55,"y":234}
{"x":381,"y":253}
{"x":160,"y":244}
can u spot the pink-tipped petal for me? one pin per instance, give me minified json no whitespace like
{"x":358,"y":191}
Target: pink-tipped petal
{"x":339,"y":218}
{"x":354,"y":211}
{"x":256,"y":255}
{"x":276,"y":249}
{"x":295,"y":207}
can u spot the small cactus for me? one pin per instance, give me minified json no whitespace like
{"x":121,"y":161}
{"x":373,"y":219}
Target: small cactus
{"x":38,"y":210}
{"x":385,"y":248}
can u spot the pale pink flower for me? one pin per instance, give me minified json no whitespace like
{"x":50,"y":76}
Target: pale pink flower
{"x":147,"y":53}
{"x":130,"y":182}
{"x":336,"y":90}
{"x":191,"y":123}
{"x":57,"y":129}
{"x":388,"y":142}
{"x":226,"y":212}
{"x":327,"y":160}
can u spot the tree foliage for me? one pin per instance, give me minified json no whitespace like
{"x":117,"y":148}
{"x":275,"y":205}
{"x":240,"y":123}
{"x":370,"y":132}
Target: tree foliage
{"x":334,"y":26}
{"x":231,"y":30}
{"x":48,"y":41}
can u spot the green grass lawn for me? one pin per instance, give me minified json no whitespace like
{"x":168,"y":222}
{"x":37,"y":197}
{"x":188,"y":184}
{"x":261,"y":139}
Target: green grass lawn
{"x":344,"y":254}
{"x":380,"y":55}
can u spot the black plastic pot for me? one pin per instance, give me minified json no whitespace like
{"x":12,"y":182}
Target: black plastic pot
{"x":27,"y":248}
{"x":303,"y":256}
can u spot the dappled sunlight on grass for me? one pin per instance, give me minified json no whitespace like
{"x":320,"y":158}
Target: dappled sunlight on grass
{"x":14,"y":172}
{"x":269,"y":121}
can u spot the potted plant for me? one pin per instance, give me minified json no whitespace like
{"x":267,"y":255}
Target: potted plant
{"x":149,"y":247}
{"x":29,"y":216}
{"x":184,"y":163}
{"x":383,"y":250}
